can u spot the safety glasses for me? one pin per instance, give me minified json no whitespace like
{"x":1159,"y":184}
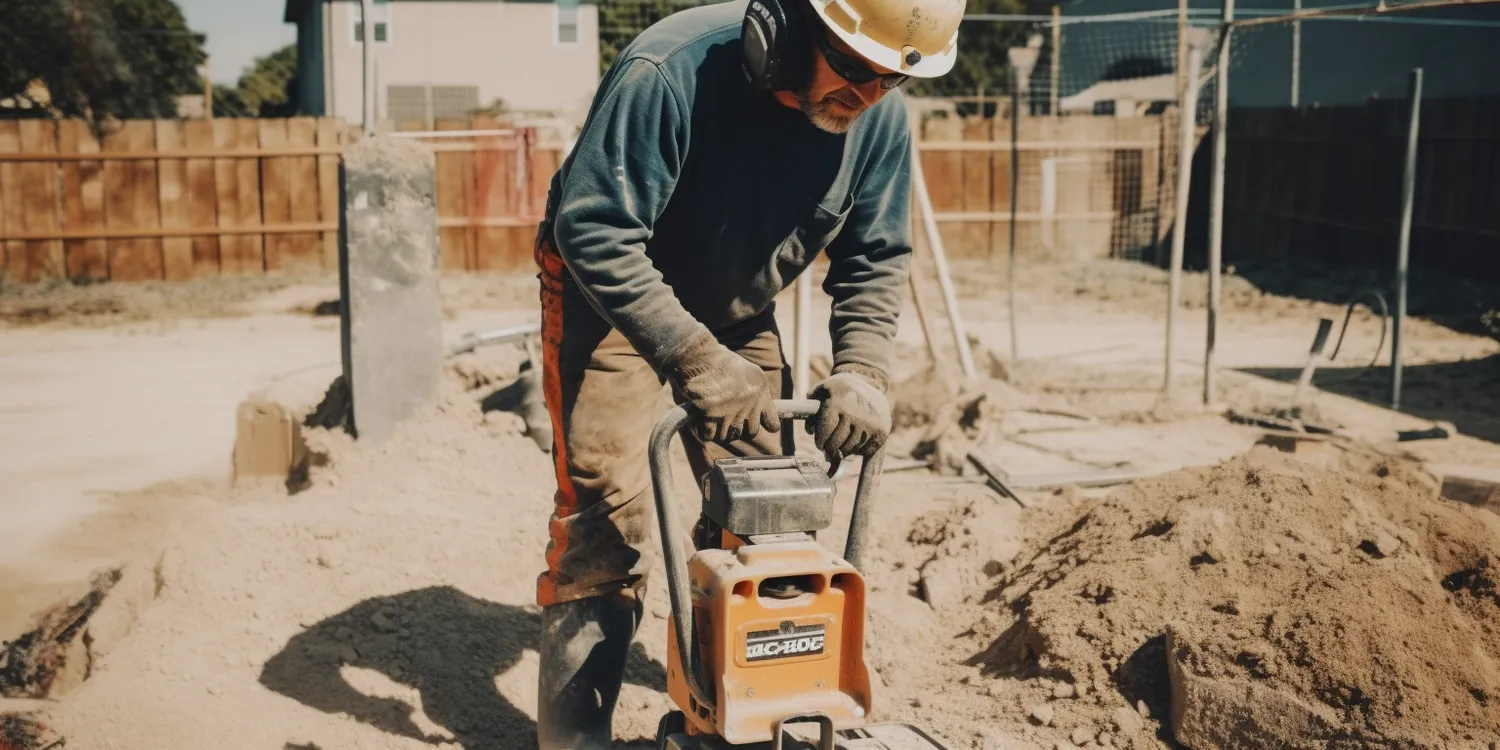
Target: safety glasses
{"x":853,"y":70}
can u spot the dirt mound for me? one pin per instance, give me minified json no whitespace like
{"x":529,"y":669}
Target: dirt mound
{"x":1259,"y":603}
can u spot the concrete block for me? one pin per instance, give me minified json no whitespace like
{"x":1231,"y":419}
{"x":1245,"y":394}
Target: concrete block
{"x":268,"y":439}
{"x":388,"y":278}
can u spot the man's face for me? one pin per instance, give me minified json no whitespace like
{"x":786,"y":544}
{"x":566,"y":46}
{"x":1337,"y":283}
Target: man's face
{"x":831,"y":101}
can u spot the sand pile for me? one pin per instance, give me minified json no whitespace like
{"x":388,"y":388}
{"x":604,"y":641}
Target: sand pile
{"x":1260,"y":603}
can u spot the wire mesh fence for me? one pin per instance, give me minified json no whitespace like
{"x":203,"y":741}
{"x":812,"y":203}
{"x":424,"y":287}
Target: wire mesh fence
{"x":1082,"y":116}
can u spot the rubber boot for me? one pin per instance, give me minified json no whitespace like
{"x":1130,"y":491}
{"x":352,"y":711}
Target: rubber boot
{"x":583,"y":650}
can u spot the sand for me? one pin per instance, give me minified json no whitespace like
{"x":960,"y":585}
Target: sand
{"x":1348,"y":604}
{"x":388,"y":603}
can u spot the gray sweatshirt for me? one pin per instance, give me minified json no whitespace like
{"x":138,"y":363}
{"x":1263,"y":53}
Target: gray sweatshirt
{"x":691,"y":199}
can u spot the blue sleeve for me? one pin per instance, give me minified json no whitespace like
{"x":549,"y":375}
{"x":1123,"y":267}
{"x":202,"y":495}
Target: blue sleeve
{"x":626,"y":161}
{"x":867,"y":270}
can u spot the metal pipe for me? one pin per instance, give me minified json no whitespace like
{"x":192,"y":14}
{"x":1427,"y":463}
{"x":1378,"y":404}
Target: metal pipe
{"x":1015,"y":174}
{"x":366,"y":17}
{"x":1216,"y":203}
{"x":1056,"y":57}
{"x":1296,"y":54}
{"x":1187,"y":110}
{"x":1403,"y":249}
{"x":1359,"y":10}
{"x":453,"y":133}
{"x":859,"y":515}
{"x":939,"y":258}
{"x":802,"y":346}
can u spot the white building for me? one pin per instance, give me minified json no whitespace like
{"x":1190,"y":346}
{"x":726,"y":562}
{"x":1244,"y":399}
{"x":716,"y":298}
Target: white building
{"x":446,"y":58}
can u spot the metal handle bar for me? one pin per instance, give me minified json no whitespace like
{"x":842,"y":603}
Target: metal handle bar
{"x":666,"y":515}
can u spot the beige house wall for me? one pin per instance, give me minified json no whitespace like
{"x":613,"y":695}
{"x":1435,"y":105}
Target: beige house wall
{"x":510,"y":51}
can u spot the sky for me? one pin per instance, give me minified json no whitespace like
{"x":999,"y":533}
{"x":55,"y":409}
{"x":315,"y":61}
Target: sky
{"x":238,"y":32}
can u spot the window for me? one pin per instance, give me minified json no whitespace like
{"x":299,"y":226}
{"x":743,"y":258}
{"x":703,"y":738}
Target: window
{"x":567,"y":21}
{"x":407,"y":104}
{"x":421,"y":104}
{"x":454,"y":101}
{"x":382,"y":32}
{"x":381,"y":10}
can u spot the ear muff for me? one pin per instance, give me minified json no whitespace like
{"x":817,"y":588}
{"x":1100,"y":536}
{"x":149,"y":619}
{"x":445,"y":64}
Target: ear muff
{"x":776,"y":45}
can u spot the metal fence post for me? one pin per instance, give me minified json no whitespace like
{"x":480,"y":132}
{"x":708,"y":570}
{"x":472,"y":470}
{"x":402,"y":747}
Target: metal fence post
{"x":1216,"y":202}
{"x":1403,"y":249}
{"x":1187,"y":110}
{"x":366,"y":17}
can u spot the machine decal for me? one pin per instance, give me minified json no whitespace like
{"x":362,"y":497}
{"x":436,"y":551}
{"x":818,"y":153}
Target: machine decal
{"x":787,"y":641}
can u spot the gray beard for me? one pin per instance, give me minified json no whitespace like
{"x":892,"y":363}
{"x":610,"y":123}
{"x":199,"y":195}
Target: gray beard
{"x":822,"y":116}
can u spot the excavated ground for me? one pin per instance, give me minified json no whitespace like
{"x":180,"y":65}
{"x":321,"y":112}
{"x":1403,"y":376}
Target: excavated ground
{"x":1329,"y":600}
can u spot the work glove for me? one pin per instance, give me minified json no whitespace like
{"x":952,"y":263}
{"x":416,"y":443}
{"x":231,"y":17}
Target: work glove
{"x":731,"y":392}
{"x":853,"y":417}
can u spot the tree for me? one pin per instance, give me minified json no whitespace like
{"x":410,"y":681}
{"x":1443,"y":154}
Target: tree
{"x":100,"y":58}
{"x":267,"y":89}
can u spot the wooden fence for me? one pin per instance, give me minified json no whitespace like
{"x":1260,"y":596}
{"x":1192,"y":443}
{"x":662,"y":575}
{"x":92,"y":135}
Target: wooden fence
{"x":1325,"y":183}
{"x":181,"y":199}
{"x":1087,"y":187}
{"x":171,"y":200}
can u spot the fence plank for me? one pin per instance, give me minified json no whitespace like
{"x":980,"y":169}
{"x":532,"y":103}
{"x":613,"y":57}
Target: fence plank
{"x":237,"y":191}
{"x":130,"y":202}
{"x":177,"y":252}
{"x":202,"y":189}
{"x":494,"y":195}
{"x":232,"y":249}
{"x":974,"y":237}
{"x":944,"y":175}
{"x":301,"y":251}
{"x":455,"y":187}
{"x":275,"y":192}
{"x":83,"y":202}
{"x":12,"y":210}
{"x":328,"y":189}
{"x":247,"y":178}
{"x":40,"y":259}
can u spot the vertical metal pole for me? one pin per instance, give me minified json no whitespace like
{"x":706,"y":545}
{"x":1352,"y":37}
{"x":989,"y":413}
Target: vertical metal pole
{"x":1216,"y":203}
{"x":1056,"y":57}
{"x":1015,"y":172}
{"x":1182,"y":47}
{"x":367,"y":18}
{"x":1187,"y":109}
{"x":1296,"y":54}
{"x":802,"y":352}
{"x":1403,"y":250}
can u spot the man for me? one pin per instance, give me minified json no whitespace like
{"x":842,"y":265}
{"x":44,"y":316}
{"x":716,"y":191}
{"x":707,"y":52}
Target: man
{"x":726,"y":147}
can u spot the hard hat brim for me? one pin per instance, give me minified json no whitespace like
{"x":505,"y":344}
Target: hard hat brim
{"x":930,"y":66}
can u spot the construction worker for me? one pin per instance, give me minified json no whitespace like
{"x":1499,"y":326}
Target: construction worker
{"x":726,"y":147}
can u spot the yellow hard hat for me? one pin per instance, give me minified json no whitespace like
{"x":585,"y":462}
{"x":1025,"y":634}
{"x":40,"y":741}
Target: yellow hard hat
{"x":915,"y":37}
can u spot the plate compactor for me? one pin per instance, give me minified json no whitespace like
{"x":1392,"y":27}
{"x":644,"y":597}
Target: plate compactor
{"x":768,"y":626}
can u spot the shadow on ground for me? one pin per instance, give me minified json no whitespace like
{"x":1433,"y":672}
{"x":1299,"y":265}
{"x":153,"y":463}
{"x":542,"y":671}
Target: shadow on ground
{"x":447,"y":645}
{"x":1463,"y":393}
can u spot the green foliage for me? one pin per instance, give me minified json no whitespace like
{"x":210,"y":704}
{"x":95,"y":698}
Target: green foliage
{"x":620,"y":21}
{"x":100,"y":58}
{"x":267,"y":89}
